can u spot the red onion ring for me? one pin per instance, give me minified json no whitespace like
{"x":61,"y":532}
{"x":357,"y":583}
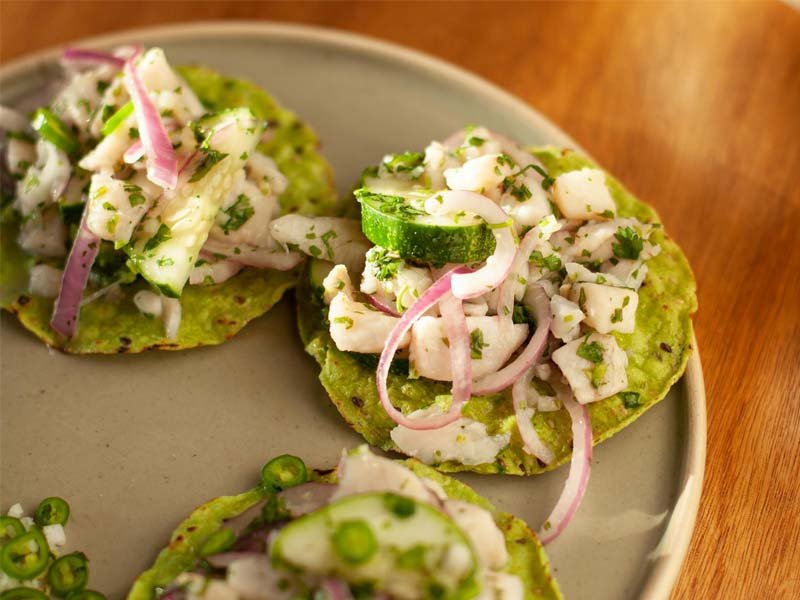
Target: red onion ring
{"x":73,"y":281}
{"x":505,"y":295}
{"x":92,"y":56}
{"x":381,"y":305}
{"x":428,"y":299}
{"x":476,"y":283}
{"x":508,"y":375}
{"x":162,"y":164}
{"x":532,"y":443}
{"x":134,"y":152}
{"x":457,"y":331}
{"x":578,"y":478}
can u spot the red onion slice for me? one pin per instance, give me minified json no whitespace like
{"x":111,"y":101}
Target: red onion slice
{"x":428,"y":299}
{"x":477,"y":283}
{"x":578,"y":478}
{"x":505,"y":295}
{"x":92,"y":56}
{"x":134,"y":152}
{"x":381,"y":305}
{"x":457,"y":331}
{"x":76,"y":274}
{"x":532,"y":443}
{"x":162,"y":164}
{"x":508,"y":375}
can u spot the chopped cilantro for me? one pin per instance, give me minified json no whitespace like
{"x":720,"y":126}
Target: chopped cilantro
{"x":630,"y":399}
{"x":347,"y":321}
{"x":326,"y":237}
{"x":238,"y":213}
{"x":548,"y":180}
{"x":591,"y":351}
{"x":133,"y":133}
{"x":135,"y":196}
{"x":476,"y":344}
{"x":476,"y":141}
{"x":551,"y":262}
{"x":165,"y":261}
{"x":109,"y":206}
{"x":384,"y":265}
{"x":630,"y":243}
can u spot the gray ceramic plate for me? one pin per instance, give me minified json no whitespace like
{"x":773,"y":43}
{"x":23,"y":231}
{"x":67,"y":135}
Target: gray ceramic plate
{"x":135,"y":442}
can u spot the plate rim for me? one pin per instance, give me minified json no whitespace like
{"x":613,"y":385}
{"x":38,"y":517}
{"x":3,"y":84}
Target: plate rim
{"x":667,"y":563}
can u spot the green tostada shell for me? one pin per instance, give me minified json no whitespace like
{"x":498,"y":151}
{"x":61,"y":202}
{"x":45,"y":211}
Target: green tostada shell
{"x":657,"y":351}
{"x":527,"y":558}
{"x":213,"y":313}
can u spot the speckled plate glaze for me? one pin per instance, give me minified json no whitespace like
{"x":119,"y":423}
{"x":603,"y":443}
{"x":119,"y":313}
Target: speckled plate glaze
{"x":135,"y":442}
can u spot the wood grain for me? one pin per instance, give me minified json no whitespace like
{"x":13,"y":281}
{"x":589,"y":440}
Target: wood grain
{"x":697,"y":108}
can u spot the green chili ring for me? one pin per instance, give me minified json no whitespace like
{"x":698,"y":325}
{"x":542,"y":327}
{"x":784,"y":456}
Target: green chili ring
{"x":354,"y":542}
{"x":52,"y":511}
{"x":283,"y":472}
{"x":12,"y":523}
{"x":23,"y":593}
{"x":70,"y":573}
{"x":18,"y":561}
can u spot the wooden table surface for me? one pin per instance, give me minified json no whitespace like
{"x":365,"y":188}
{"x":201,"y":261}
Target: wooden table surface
{"x":697,"y":108}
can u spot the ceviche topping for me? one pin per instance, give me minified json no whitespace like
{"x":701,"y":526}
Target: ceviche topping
{"x":378,"y":530}
{"x":125,"y":175}
{"x":490,"y":273}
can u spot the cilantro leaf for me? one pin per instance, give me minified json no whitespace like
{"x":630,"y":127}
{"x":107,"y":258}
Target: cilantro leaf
{"x":551,"y":262}
{"x":238,"y":214}
{"x":630,"y":243}
{"x":591,"y":351}
{"x":476,"y":344}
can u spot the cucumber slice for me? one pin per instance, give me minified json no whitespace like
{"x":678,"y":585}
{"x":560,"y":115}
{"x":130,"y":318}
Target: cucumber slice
{"x":399,"y":223}
{"x":403,"y":547}
{"x":166,"y":244}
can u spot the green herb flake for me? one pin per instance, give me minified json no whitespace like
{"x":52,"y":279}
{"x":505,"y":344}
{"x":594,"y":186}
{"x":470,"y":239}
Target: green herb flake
{"x":591,"y":351}
{"x":135,"y":195}
{"x":476,"y":344}
{"x":631,"y":400}
{"x":551,"y":262}
{"x":384,"y":265}
{"x":326,"y":238}
{"x":346,"y":321}
{"x":629,"y":244}
{"x":238,"y":214}
{"x":476,"y":141}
